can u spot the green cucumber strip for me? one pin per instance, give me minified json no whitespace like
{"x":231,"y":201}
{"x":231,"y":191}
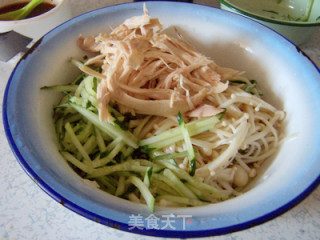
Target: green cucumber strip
{"x":147,"y":177}
{"x":90,"y":145}
{"x":196,"y":191}
{"x":84,"y":94}
{"x":159,"y":182}
{"x":66,"y":112}
{"x":77,"y":144}
{"x":79,"y":126}
{"x":249,"y":88}
{"x":79,"y":90}
{"x":116,"y":113}
{"x":237,"y":81}
{"x":82,"y":166}
{"x":121,"y":186}
{"x":61,"y":88}
{"x":105,"y":136}
{"x":192,"y":180}
{"x":75,"y":116}
{"x":89,"y":86}
{"x":63,"y":108}
{"x":113,"y":144}
{"x":187,"y":140}
{"x":107,"y":184}
{"x":144,"y":191}
{"x":59,"y":128}
{"x":100,"y":141}
{"x":85,"y":133}
{"x":192,"y":166}
{"x":79,"y":78}
{"x":127,"y":152}
{"x":174,"y":135}
{"x":64,"y":99}
{"x":93,"y":101}
{"x":103,"y":161}
{"x":182,"y":200}
{"x":78,"y":101}
{"x":175,"y":183}
{"x":170,"y":156}
{"x":113,"y":180}
{"x":130,"y":165}
{"x":112,"y":130}
{"x":129,"y":191}
{"x":203,"y":195}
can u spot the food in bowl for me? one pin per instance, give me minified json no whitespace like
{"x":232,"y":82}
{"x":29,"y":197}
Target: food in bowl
{"x":286,"y":77}
{"x":35,"y":27}
{"x":295,"y":20}
{"x":278,"y":10}
{"x":152,"y":120}
{"x":24,"y":10}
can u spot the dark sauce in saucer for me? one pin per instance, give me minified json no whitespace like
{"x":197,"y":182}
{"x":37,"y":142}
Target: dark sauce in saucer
{"x":40,"y":9}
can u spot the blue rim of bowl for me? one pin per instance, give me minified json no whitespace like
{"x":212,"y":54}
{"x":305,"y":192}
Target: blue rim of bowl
{"x":124,"y":226}
{"x":270,"y":20}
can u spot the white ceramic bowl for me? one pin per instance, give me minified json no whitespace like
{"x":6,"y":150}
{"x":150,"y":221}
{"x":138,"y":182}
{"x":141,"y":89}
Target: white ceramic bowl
{"x":287,"y":77}
{"x":279,"y":16}
{"x":37,"y":26}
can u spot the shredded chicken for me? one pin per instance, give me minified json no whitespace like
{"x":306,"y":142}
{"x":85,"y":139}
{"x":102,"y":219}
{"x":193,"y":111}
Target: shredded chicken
{"x":153,"y":77}
{"x":145,"y":71}
{"x":205,"y":110}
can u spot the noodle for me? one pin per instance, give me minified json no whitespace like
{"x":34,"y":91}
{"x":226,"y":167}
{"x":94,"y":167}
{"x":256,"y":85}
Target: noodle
{"x":151,"y":77}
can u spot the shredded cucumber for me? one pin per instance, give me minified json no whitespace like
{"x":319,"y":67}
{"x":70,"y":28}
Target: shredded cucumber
{"x":147,"y":177}
{"x":144,"y":191}
{"x":174,"y":135}
{"x":77,"y":144}
{"x":178,"y":185}
{"x":106,"y":152}
{"x":186,"y":136}
{"x":62,"y":88}
{"x":121,"y":186}
{"x":126,"y":166}
{"x":182,"y":200}
{"x":112,"y":130}
{"x":169,"y":155}
{"x":191,"y":180}
{"x":69,"y":157}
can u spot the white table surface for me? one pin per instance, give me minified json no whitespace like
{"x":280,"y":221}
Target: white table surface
{"x":26,"y":212}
